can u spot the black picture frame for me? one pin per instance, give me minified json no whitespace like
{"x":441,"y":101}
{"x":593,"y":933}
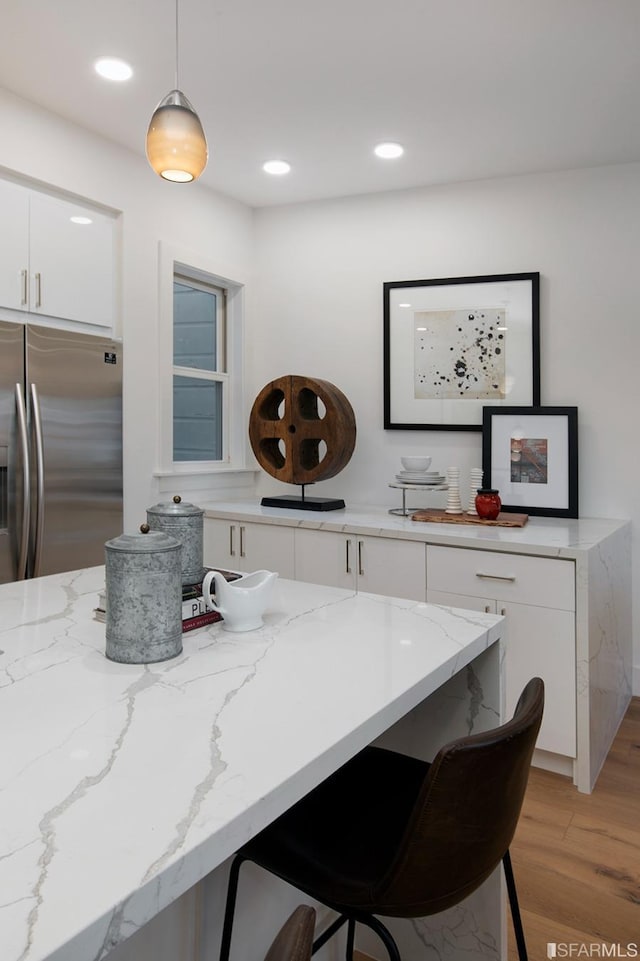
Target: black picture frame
{"x":482,"y":341}
{"x":530,"y":455}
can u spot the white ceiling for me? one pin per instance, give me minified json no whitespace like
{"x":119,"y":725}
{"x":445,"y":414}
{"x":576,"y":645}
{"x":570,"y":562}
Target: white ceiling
{"x":472,"y":88}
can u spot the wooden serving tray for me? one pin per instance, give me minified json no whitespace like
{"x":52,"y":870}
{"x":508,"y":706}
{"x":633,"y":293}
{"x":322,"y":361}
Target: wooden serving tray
{"x":438,"y":516}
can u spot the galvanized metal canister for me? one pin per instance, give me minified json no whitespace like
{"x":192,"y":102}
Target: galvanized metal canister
{"x":143,"y":598}
{"x":185,"y":522}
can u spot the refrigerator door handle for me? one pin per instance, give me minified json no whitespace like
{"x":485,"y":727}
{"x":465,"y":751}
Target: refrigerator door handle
{"x":21,"y":413}
{"x":39,"y":525}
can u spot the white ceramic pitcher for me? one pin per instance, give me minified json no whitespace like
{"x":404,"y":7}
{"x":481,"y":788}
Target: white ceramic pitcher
{"x":241,"y":602}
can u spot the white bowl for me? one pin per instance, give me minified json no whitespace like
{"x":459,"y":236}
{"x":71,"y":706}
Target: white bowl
{"x":416,"y":463}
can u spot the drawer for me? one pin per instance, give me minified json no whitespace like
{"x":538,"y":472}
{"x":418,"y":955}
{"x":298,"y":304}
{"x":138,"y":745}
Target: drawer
{"x":540,"y":581}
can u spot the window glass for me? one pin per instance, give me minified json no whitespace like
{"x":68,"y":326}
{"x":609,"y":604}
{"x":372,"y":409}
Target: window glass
{"x":195,"y":326}
{"x":197,"y":419}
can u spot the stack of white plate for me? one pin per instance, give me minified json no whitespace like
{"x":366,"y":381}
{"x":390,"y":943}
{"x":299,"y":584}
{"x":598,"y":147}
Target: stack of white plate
{"x":425,"y":477}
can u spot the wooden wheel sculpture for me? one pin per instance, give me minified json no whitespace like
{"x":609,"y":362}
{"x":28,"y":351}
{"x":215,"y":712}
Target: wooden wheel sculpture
{"x":293,"y":439}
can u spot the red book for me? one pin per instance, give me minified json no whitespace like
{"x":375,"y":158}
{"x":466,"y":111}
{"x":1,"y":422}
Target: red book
{"x":200,"y":620}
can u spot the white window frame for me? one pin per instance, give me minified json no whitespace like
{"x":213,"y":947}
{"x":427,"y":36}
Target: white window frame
{"x":173,"y":264}
{"x":213,"y":376}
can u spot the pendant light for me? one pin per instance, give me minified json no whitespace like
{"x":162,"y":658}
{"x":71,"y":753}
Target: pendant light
{"x":176,"y":144}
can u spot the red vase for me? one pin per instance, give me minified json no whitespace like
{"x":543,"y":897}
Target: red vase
{"x":488,"y":503}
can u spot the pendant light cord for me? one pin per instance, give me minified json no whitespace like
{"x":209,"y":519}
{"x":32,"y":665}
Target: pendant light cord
{"x":177,"y":47}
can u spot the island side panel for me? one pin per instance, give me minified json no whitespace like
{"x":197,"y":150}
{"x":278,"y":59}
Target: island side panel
{"x":604,"y":669}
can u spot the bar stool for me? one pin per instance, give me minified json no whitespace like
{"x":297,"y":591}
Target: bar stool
{"x":393,"y":836}
{"x":294,"y":941}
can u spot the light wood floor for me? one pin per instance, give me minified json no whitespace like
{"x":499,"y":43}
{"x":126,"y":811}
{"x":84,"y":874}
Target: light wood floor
{"x":576,"y":857}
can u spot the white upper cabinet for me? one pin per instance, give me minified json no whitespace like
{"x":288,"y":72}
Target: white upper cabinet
{"x":14,"y":246}
{"x":56,"y":257}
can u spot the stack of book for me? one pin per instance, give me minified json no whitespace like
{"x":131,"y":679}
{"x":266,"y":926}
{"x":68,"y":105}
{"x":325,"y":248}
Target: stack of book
{"x":194,"y":608}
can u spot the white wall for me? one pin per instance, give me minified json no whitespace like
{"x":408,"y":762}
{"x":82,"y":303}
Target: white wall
{"x":317,"y":301}
{"x":319,"y":275}
{"x":39,"y":145}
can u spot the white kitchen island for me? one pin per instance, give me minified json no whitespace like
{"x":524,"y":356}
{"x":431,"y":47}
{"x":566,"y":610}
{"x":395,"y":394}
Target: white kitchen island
{"x":124,"y":786}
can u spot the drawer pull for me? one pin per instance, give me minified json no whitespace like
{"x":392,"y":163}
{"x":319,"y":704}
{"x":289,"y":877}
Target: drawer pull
{"x":496,"y":577}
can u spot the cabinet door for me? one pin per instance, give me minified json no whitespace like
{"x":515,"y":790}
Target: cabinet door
{"x":14,"y":245}
{"x":540,"y":643}
{"x":391,"y":567}
{"x":71,"y":263}
{"x":447,"y":599}
{"x":240,"y":546}
{"x":324,"y":557}
{"x":220,"y":543}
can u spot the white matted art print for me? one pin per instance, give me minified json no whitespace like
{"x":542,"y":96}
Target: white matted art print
{"x":530,"y":455}
{"x":460,"y":354}
{"x":452,"y":346}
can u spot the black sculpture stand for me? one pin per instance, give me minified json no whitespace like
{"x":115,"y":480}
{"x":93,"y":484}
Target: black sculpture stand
{"x":303,"y":503}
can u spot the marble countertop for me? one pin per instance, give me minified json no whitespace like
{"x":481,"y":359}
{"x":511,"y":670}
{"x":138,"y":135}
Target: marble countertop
{"x":546,"y":536}
{"x":124,"y":785}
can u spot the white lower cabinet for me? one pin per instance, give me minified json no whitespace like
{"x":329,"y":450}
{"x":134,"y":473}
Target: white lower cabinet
{"x":537,"y":596}
{"x":378,"y":565}
{"x":241,"y":546}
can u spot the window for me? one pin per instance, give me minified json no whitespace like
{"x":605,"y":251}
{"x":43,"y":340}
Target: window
{"x":201,"y":415}
{"x":200,"y":377}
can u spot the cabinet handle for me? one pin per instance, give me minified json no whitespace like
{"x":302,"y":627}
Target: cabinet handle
{"x":24,"y":291}
{"x":496,"y":577}
{"x":347,"y":565}
{"x":232,"y":552}
{"x":503,"y":611}
{"x":241,"y":541}
{"x":487,"y":608}
{"x":38,"y":290}
{"x":360,"y":567}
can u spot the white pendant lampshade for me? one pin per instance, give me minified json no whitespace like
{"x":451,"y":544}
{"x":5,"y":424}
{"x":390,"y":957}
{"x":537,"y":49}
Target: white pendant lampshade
{"x":176,"y":144}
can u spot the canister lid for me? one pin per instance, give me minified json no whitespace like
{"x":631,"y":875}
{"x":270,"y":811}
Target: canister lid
{"x":150,"y":543}
{"x":175,"y":508}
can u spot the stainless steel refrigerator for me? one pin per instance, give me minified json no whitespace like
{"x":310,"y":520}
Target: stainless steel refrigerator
{"x":60,"y":449}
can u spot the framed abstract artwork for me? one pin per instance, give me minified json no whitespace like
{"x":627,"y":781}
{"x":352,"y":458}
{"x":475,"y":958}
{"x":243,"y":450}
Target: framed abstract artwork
{"x":530,"y":455}
{"x":452,"y":346}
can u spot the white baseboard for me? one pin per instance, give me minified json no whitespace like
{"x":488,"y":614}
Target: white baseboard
{"x":557,"y":763}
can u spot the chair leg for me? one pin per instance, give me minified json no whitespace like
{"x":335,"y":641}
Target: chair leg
{"x":351,"y":935}
{"x":383,"y":933}
{"x":515,"y":907}
{"x":232,"y":890}
{"x":367,"y":919}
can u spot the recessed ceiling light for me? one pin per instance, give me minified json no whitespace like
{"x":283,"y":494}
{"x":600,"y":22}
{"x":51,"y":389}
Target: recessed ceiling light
{"x":81,"y":220}
{"x":277,"y":167}
{"x":111,"y":68}
{"x":404,"y":305}
{"x":388,"y":150}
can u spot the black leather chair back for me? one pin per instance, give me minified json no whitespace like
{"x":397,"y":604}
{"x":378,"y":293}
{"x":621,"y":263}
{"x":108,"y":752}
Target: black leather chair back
{"x":465,"y":816}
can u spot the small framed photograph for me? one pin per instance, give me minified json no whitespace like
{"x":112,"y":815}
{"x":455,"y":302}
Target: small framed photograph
{"x":453,"y":345}
{"x":530,"y":455}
